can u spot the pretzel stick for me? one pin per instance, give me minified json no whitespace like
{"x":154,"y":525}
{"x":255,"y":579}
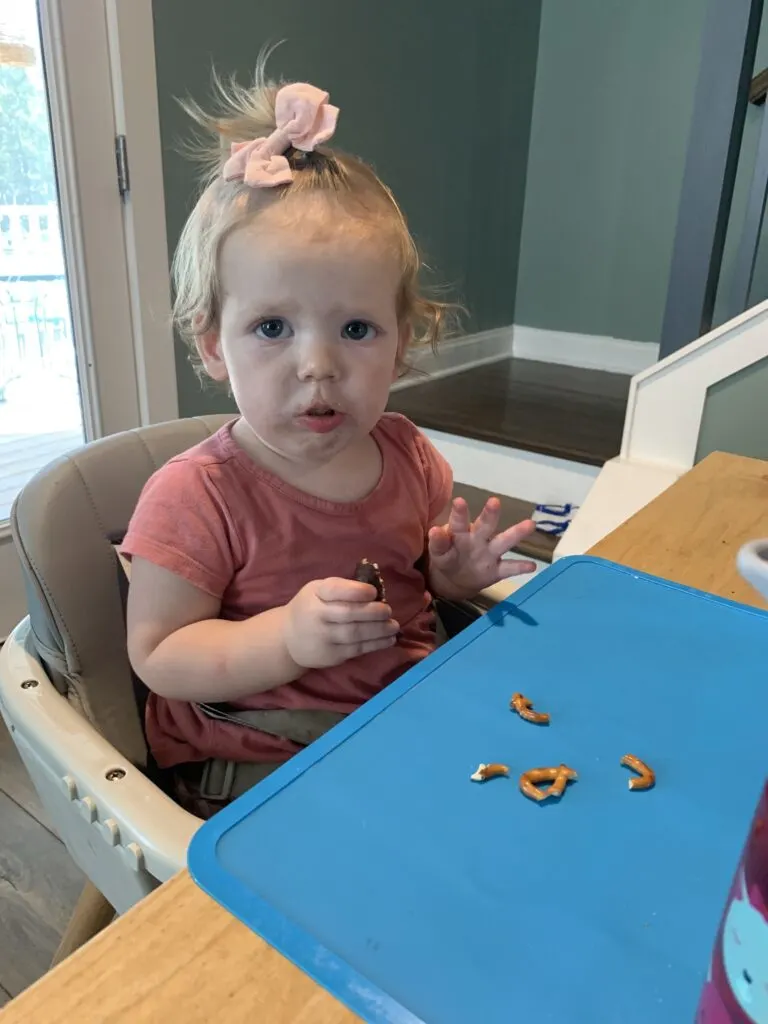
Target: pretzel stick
{"x":489,"y":771}
{"x":559,"y":777}
{"x":524,"y":707}
{"x":645,"y":778}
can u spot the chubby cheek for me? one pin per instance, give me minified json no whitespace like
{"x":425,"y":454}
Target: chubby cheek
{"x":369,"y":395}
{"x":256,"y":374}
{"x":259,"y":400}
{"x":255,"y":399}
{"x":370,"y":378}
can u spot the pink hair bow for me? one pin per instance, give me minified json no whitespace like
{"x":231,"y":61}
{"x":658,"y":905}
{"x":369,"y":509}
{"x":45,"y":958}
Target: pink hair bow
{"x":305,"y":119}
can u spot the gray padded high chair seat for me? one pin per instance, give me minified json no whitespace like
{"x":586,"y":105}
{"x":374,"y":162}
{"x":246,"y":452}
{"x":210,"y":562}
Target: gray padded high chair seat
{"x":66,"y":524}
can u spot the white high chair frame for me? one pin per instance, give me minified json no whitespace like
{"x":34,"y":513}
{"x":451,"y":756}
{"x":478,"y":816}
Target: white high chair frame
{"x":121,"y":830}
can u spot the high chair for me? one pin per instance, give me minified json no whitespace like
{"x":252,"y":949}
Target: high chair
{"x":67,"y":691}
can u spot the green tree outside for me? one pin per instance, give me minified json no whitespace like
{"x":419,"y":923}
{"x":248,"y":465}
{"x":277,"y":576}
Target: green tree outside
{"x":26,"y":161}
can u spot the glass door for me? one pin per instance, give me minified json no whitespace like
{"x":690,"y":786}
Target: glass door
{"x":86,"y":347}
{"x":40,"y":394}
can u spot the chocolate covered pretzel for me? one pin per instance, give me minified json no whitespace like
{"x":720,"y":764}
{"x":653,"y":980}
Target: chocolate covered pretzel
{"x":368,"y":572}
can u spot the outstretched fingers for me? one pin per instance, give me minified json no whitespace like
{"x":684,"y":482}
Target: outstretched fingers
{"x":510,"y":538}
{"x":511,"y":567}
{"x":487,"y":523}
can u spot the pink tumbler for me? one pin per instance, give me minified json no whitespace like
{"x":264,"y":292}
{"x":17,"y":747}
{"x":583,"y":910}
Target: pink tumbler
{"x":736,"y":990}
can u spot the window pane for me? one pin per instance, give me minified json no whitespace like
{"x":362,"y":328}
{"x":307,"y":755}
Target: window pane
{"x":40,"y":405}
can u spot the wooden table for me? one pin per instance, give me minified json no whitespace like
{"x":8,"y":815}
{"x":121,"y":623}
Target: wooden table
{"x":178,"y":956}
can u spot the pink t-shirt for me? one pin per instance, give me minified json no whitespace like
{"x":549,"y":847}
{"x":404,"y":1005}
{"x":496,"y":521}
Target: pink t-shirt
{"x":240,"y":533}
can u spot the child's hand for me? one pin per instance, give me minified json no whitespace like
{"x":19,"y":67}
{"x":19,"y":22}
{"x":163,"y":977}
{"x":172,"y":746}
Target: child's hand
{"x":465,"y":557}
{"x":330,"y":621}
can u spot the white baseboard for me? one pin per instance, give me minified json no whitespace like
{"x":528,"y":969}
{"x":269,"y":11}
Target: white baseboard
{"x":513,"y":472}
{"x":456,"y":355}
{"x":590,"y":351}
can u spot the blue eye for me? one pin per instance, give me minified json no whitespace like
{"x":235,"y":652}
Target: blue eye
{"x":358,"y":330}
{"x":273,"y":328}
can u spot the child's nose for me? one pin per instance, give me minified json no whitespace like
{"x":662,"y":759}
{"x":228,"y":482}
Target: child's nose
{"x":317,"y":360}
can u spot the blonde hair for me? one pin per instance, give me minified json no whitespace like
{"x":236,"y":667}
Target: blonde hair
{"x":223,"y":206}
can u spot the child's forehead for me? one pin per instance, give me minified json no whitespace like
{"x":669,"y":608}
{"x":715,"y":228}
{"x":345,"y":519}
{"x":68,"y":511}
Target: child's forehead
{"x":317,"y":258}
{"x":306,"y":232}
{"x":319,"y":218}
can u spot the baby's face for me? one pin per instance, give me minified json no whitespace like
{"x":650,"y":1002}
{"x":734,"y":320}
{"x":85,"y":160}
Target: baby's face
{"x":309,"y":335}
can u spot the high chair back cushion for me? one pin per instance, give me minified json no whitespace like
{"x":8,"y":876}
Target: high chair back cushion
{"x":66,"y":523}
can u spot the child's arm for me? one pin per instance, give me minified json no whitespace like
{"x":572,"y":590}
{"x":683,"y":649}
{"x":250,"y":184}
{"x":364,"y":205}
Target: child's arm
{"x":181,"y":649}
{"x":465,"y":557}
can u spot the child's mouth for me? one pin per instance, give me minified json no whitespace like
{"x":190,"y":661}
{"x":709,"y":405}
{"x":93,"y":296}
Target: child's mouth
{"x":321,"y":419}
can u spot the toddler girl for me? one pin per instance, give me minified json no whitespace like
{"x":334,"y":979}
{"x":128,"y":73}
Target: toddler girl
{"x":297,"y":286}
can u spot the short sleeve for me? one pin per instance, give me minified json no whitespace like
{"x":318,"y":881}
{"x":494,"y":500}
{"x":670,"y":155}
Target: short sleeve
{"x":437,"y":473}
{"x":182,"y":524}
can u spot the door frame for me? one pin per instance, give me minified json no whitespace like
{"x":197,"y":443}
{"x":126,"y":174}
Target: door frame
{"x":131,"y":40}
{"x":100,"y":71}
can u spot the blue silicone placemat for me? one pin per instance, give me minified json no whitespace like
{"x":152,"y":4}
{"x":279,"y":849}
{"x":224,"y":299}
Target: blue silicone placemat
{"x":414,"y":894}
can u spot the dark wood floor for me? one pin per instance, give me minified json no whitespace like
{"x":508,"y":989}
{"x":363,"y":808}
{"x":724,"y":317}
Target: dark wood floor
{"x":563,"y":411}
{"x":39,"y":883}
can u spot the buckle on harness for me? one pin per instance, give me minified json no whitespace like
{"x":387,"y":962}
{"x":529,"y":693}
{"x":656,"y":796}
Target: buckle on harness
{"x":218,"y":779}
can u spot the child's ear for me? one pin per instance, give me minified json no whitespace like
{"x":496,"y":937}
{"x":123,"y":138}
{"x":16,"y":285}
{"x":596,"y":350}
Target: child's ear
{"x":209,"y":349}
{"x":405,"y":337}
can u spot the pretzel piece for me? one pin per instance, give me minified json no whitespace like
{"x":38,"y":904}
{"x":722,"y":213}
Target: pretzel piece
{"x":559,"y":778}
{"x":645,"y":778}
{"x":524,"y":707}
{"x":489,"y":771}
{"x":369,"y":572}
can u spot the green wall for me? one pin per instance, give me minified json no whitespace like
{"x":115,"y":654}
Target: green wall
{"x":736,"y":414}
{"x":615,"y":83}
{"x":436,"y":94}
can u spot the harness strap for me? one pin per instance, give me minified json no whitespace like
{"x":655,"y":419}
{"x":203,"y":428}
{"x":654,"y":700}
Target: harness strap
{"x":223,"y":780}
{"x":302,"y":726}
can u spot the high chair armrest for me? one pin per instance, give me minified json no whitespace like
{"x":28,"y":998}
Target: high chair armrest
{"x":78,"y":773}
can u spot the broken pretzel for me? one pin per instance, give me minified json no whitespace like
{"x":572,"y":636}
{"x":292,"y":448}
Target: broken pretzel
{"x":558,"y":777}
{"x":524,"y":707}
{"x":489,"y":771}
{"x":645,"y":778}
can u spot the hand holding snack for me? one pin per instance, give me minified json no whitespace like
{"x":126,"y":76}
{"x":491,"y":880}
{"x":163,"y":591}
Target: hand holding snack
{"x":330,"y":621}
